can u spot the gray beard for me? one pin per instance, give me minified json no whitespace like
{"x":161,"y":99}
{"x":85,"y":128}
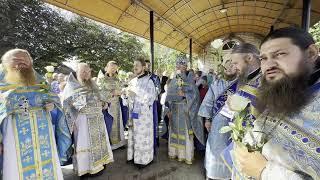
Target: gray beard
{"x":86,"y":83}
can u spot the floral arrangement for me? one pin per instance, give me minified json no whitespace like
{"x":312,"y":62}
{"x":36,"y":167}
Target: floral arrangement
{"x":180,"y":83}
{"x":242,"y":122}
{"x":122,"y":75}
{"x":50,"y":70}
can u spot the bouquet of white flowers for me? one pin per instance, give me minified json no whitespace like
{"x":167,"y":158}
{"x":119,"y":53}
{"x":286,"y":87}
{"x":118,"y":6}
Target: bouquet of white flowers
{"x":50,"y":70}
{"x":122,"y":75}
{"x":242,"y":122}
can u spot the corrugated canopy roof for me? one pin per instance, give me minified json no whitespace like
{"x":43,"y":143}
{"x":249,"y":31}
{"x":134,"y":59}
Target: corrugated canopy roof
{"x":202,"y":20}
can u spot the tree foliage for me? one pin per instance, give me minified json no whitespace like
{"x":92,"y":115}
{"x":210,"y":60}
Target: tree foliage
{"x":165,"y":59}
{"x":50,"y":38}
{"x":315,"y":31}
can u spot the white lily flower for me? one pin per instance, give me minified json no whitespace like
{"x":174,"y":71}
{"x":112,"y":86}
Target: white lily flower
{"x":49,"y":69}
{"x":237,"y":103}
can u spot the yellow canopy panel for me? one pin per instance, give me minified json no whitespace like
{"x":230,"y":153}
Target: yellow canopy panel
{"x":176,"y":21}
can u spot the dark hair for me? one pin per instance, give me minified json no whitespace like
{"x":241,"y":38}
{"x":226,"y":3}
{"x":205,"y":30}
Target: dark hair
{"x":147,"y":60}
{"x":141,"y":60}
{"x":299,"y":37}
{"x":246,"y":48}
{"x":204,"y":78}
{"x":199,"y":73}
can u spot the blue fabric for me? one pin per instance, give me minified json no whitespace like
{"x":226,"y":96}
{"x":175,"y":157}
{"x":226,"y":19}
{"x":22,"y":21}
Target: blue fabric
{"x":226,"y":155}
{"x":155,"y":125}
{"x":220,"y":101}
{"x":20,"y":101}
{"x":295,"y":139}
{"x":216,"y":143}
{"x":124,"y":113}
{"x":198,"y":145}
{"x":55,"y":87}
{"x":134,"y":115}
{"x":108,"y":119}
{"x":156,"y":80}
{"x":178,"y":105}
{"x":315,"y":88}
{"x":60,"y":129}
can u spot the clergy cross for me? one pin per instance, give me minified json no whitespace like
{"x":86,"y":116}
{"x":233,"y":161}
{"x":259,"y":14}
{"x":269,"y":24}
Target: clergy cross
{"x":27,"y":159}
{"x":31,"y":177}
{"x":24,"y":131}
{"x":42,"y":126}
{"x":45,"y":153}
{"x":25,"y":105}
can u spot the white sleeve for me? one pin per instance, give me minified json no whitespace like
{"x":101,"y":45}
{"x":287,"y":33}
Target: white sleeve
{"x":275,"y":171}
{"x":150,"y":93}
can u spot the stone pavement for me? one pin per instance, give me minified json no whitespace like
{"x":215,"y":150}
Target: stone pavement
{"x":162,"y":168}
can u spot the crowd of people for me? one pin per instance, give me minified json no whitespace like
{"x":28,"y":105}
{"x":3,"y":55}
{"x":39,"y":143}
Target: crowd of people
{"x":259,"y":119}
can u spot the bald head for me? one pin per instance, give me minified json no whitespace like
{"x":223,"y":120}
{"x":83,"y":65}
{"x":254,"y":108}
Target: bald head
{"x":84,"y":71}
{"x":111,"y":68}
{"x":17,"y":64}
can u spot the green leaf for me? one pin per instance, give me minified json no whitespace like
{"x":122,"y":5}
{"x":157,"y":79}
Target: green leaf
{"x":232,"y":125}
{"x":234,"y":137}
{"x":236,"y":133}
{"x":225,"y":129}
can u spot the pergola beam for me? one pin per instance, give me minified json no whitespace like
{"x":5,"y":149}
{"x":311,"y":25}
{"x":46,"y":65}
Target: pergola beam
{"x":151,"y":41}
{"x":305,"y":23}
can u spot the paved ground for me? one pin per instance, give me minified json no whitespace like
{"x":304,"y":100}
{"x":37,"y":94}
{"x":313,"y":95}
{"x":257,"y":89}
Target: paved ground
{"x":162,"y":169}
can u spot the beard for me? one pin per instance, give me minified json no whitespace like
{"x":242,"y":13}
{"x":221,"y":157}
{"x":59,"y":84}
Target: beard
{"x":88,"y":83}
{"x":85,"y":82}
{"x":229,"y":77}
{"x":285,"y":96}
{"x":243,"y":75}
{"x":242,"y":79}
{"x":23,"y":76}
{"x":138,"y":73}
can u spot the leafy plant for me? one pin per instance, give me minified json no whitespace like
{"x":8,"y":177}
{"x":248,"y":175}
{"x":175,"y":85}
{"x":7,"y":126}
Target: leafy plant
{"x":315,"y":31}
{"x":242,"y":122}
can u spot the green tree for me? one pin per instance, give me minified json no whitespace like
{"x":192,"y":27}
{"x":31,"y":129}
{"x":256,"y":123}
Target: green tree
{"x":30,"y":25}
{"x":164,"y":58}
{"x":97,"y":45}
{"x":315,"y":31}
{"x":50,"y":38}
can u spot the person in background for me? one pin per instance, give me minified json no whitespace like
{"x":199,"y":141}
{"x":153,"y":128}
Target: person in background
{"x":211,"y":76}
{"x":216,"y":142}
{"x":197,"y":78}
{"x":110,"y":87}
{"x":83,"y":105}
{"x":141,"y":94}
{"x":203,"y":88}
{"x":156,"y":105}
{"x":165,"y":108}
{"x":35,"y":137}
{"x":55,"y":84}
{"x":289,"y":127}
{"x":183,"y":101}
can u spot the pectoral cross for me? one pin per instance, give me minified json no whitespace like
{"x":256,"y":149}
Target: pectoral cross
{"x":25,"y":106}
